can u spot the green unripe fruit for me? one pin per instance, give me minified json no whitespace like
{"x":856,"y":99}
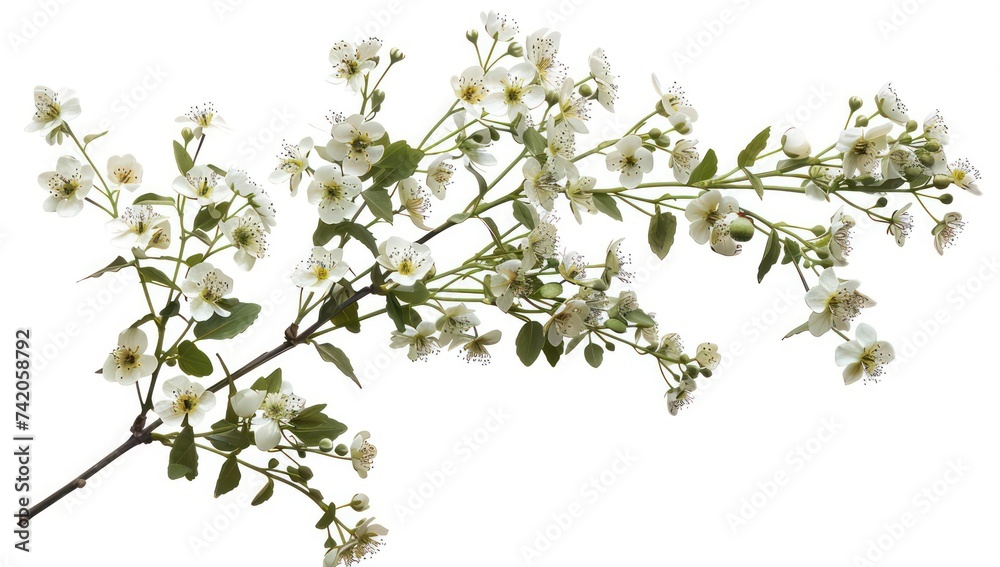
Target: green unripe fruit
{"x":947,"y":198}
{"x":325,"y":445}
{"x":741,"y":229}
{"x":942,"y":181}
{"x":341,"y":450}
{"x":586,"y":91}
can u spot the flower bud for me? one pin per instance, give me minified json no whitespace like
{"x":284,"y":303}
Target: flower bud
{"x":855,"y":103}
{"x":741,"y":229}
{"x":691,"y":370}
{"x":187,"y":135}
{"x":933,"y":146}
{"x":514,"y":49}
{"x":926,"y":158}
{"x":911,"y":125}
{"x":818,"y":230}
{"x":913,"y":171}
{"x":904,"y":139}
{"x":305,"y":472}
{"x":684,"y":128}
{"x":316,"y":494}
{"x":655,"y":133}
{"x":823,"y":253}
{"x":340,"y":449}
{"x":942,"y":181}
{"x":684,"y":359}
{"x":272,"y":464}
{"x":359,"y":503}
{"x":794,"y":143}
{"x":861,"y":121}
{"x":663,"y":140}
{"x":551,"y":98}
{"x":325,"y":445}
{"x":882,"y":201}
{"x":586,"y":90}
{"x":706,"y":372}
{"x":946,"y":198}
{"x":472,"y":35}
{"x":378,"y":96}
{"x":395,"y":55}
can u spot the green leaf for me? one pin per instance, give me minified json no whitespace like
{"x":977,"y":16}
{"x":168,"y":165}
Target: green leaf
{"x":480,"y":180}
{"x":311,"y":429}
{"x":640,"y":319}
{"x":552,"y":352}
{"x":216,"y":327}
{"x":755,"y":182}
{"x":607,"y":205}
{"x":91,"y":137}
{"x":616,"y":325}
{"x":208,"y":217}
{"x":793,"y":253}
{"x":594,"y":355}
{"x":706,"y":169}
{"x":379,"y":202}
{"x":171,"y":309}
{"x":417,"y":294}
{"x":265,"y":493}
{"x":229,"y":476}
{"x":192,"y":361}
{"x":325,"y":232}
{"x":153,"y":199}
{"x":328,"y":516}
{"x":530,"y":341}
{"x":218,"y":170}
{"x":523,"y":214}
{"x":800,"y":329}
{"x":339,"y":358}
{"x":662,"y":229}
{"x":226,"y":436}
{"x":115,"y":265}
{"x":548,"y":291}
{"x":184,"y":161}
{"x":183,"y":459}
{"x":395,"y":312}
{"x":156,"y":276}
{"x":398,"y":162}
{"x":772,"y":250}
{"x":749,"y":155}
{"x":535,"y":142}
{"x":346,"y":317}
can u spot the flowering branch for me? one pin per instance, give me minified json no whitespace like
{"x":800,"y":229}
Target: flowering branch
{"x":361,"y":182}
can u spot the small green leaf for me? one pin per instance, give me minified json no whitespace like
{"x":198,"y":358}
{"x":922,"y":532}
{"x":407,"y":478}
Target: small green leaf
{"x":398,"y":162}
{"x":417,"y":294}
{"x":313,"y":428}
{"x":606,"y":204}
{"x":325,"y":232}
{"x":594,"y":354}
{"x":535,"y":142}
{"x":640,"y":319}
{"x":552,"y":352}
{"x":772,"y":250}
{"x":662,"y":229}
{"x":523,"y":214}
{"x":216,"y":327}
{"x":706,"y":169}
{"x":755,"y":182}
{"x":265,"y":493}
{"x":192,"y":360}
{"x":91,"y":137}
{"x":395,"y":312}
{"x":115,"y":265}
{"x":379,"y":202}
{"x":800,"y":329}
{"x":549,"y":290}
{"x":328,"y":516}
{"x":229,"y":476}
{"x":339,"y":358}
{"x":480,"y":180}
{"x":183,"y":159}
{"x":749,"y":154}
{"x":208,"y":217}
{"x":153,"y":199}
{"x":155,"y":275}
{"x":171,"y":309}
{"x":616,"y":325}
{"x":530,"y":341}
{"x":793,"y":253}
{"x":183,"y":459}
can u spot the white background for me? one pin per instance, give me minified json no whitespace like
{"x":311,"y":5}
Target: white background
{"x":870,"y":451}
